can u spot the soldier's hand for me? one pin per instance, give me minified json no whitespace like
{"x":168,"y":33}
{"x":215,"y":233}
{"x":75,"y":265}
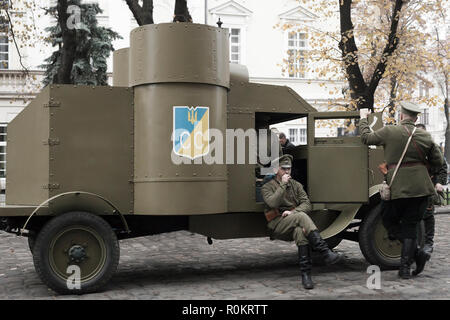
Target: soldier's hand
{"x":286,"y":213}
{"x":285,"y":178}
{"x":363,"y":113}
{"x":439,"y":187}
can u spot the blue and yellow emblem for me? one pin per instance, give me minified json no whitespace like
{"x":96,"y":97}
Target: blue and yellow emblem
{"x":191,"y":131}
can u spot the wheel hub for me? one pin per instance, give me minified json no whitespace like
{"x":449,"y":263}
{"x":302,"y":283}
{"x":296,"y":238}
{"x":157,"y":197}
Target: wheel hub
{"x":77,"y":253}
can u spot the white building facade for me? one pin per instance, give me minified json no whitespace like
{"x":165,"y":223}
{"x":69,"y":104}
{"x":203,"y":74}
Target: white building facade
{"x":254,"y":42}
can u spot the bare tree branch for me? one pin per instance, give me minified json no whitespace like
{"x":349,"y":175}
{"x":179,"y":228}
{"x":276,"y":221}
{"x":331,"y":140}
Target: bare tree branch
{"x":349,"y":49}
{"x":389,"y":49}
{"x":25,"y":69}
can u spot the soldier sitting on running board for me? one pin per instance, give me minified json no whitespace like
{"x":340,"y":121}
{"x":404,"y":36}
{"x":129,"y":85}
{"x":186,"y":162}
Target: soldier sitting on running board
{"x":287,"y":205}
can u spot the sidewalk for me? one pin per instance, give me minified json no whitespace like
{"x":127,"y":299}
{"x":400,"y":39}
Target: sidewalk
{"x":442,"y":209}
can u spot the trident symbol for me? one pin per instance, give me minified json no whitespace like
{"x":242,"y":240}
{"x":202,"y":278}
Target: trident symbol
{"x":192,"y":118}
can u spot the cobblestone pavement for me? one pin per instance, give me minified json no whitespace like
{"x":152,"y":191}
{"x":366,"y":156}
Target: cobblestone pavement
{"x":181,"y":265}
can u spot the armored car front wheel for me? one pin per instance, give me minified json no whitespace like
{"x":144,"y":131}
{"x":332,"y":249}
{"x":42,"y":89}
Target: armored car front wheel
{"x":76,"y":253}
{"x":31,"y":242}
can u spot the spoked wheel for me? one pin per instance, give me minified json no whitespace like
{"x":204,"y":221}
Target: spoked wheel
{"x":76,"y":253}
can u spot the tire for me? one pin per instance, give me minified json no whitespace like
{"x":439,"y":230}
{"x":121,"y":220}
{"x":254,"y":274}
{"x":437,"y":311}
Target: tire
{"x":31,"y":242}
{"x":76,"y":243}
{"x":375,"y":244}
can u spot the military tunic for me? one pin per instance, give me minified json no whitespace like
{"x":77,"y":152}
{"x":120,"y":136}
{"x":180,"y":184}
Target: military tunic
{"x":410,"y":181}
{"x":285,"y":196}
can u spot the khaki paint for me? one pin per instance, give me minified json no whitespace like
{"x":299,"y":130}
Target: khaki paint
{"x":160,"y":53}
{"x":94,"y":127}
{"x":337,"y":167}
{"x":167,"y":71}
{"x":27,"y":153}
{"x":121,"y":67}
{"x":72,"y":138}
{"x":161,"y":186}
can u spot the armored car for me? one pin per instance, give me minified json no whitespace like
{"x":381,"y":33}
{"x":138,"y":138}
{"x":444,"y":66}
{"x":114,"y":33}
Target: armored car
{"x":89,"y":166}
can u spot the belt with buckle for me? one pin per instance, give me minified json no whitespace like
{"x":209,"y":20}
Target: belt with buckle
{"x":406,"y":164}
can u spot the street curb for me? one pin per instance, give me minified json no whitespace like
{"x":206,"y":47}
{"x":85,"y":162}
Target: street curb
{"x":441,"y":209}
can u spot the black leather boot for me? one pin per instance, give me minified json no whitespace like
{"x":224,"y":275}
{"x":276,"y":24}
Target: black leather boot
{"x":304,"y":255}
{"x":319,"y":245}
{"x":409,"y":248}
{"x":429,"y":234}
{"x":421,"y":258}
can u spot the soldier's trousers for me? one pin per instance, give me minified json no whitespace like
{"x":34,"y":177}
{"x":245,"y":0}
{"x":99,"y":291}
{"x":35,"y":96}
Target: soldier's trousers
{"x":428,"y":219}
{"x":291,"y":228}
{"x":404,"y":215}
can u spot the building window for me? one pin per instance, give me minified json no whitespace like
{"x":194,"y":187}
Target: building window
{"x":293,"y":135}
{"x":4,"y":52}
{"x":2,"y":161}
{"x":302,"y":139}
{"x":2,"y":132}
{"x":424,"y":117}
{"x":297,"y":44}
{"x":297,"y":136}
{"x":4,"y":45}
{"x":235,"y":45}
{"x":424,"y":91}
{"x":3,"y":150}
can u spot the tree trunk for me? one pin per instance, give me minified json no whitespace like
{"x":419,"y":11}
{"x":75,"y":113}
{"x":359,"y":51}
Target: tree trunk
{"x":144,"y":14}
{"x":181,"y":12}
{"x":362,"y":94}
{"x":68,"y":44}
{"x":447,"y":132}
{"x":392,"y":97}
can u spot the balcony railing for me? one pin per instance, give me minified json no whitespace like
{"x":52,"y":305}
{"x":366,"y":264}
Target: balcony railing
{"x":16,"y":82}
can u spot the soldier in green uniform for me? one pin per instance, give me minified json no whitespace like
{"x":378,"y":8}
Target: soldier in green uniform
{"x":439,"y":179}
{"x":412,"y":185}
{"x":287,"y":205}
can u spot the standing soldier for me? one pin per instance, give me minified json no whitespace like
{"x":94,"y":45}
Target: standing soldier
{"x":439,"y":179}
{"x":412,"y":185}
{"x":287,"y":205}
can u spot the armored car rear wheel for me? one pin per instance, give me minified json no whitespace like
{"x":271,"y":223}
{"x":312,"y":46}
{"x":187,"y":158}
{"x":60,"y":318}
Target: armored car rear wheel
{"x":375,"y":244}
{"x":76,"y":253}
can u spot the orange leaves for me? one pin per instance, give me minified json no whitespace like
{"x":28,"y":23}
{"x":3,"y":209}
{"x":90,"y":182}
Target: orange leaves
{"x":416,"y":56}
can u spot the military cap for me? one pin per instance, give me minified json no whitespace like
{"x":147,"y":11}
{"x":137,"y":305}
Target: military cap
{"x":410,"y":108}
{"x":286,"y":161}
